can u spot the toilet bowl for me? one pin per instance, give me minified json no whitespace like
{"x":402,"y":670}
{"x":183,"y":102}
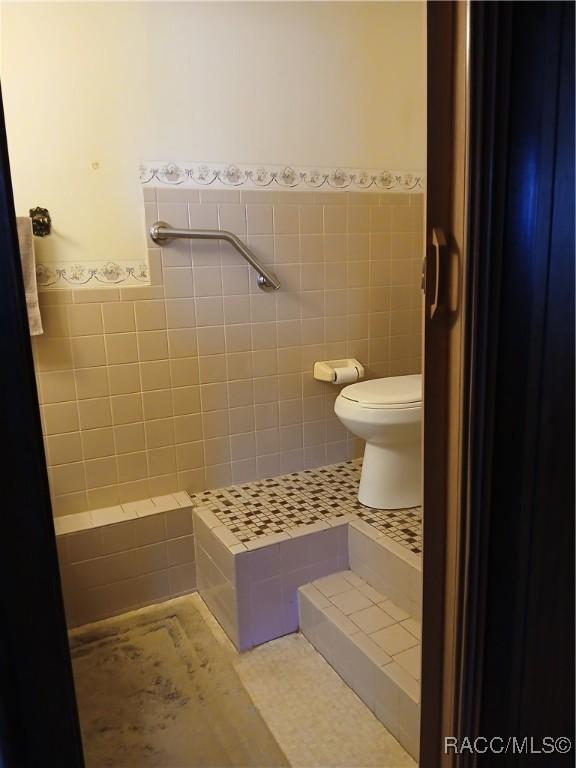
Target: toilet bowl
{"x":387,"y":414}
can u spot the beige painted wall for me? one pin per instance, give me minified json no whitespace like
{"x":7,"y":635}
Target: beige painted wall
{"x":91,"y":89}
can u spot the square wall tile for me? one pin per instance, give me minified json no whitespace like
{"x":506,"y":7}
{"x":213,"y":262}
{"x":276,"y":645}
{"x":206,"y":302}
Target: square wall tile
{"x":153,"y":345}
{"x":85,"y":319}
{"x":121,"y":348}
{"x":118,"y":317}
{"x":150,"y":315}
{"x":124,"y":379}
{"x":88,"y":351}
{"x":97,"y":443}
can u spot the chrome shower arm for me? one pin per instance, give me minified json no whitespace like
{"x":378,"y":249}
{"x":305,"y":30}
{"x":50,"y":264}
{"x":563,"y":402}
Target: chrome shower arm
{"x":161,"y":233}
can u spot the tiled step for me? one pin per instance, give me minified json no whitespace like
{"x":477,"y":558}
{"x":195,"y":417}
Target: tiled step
{"x":390,"y":568}
{"x":372,"y":643}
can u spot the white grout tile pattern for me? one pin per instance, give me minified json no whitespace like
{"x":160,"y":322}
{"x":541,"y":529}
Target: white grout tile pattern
{"x":281,"y":504}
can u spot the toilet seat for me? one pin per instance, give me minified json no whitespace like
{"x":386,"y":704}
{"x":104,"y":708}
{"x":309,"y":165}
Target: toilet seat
{"x":392,"y":392}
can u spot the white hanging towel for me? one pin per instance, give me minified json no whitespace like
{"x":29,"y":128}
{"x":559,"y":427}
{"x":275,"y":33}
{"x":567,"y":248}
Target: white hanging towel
{"x":26,"y":242}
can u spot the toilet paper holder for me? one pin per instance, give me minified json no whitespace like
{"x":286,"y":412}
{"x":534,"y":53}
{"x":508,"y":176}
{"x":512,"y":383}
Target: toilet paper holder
{"x":343,"y":371}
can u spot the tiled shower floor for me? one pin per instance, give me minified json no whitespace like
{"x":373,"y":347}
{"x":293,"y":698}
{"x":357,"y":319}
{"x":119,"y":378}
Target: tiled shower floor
{"x":301,"y":498}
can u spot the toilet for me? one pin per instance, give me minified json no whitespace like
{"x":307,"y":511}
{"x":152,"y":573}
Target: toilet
{"x":387,"y":414}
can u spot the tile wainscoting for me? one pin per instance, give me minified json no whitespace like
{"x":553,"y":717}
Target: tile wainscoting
{"x":202,"y":379}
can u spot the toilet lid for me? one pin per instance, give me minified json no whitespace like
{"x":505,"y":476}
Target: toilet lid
{"x":393,"y":390}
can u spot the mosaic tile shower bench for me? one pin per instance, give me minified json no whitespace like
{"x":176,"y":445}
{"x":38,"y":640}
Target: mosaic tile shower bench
{"x":256,"y":544}
{"x":280,"y":504}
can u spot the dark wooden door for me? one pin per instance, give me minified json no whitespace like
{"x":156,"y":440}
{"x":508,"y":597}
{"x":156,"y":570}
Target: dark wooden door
{"x":445,"y":383}
{"x":498,"y":613}
{"x":518,"y":661}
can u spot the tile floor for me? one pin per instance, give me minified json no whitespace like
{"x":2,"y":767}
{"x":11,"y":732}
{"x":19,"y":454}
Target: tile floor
{"x":319,"y":725}
{"x":278,"y":504}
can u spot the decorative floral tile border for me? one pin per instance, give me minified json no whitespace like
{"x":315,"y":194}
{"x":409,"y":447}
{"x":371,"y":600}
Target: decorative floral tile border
{"x":226,"y":175}
{"x":61,"y":274}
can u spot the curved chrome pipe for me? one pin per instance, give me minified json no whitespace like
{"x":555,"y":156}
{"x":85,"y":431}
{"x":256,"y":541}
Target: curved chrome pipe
{"x":161,"y":233}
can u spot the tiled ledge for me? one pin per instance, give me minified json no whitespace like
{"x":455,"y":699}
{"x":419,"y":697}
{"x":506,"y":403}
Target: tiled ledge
{"x":84,"y":521}
{"x":124,"y":557}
